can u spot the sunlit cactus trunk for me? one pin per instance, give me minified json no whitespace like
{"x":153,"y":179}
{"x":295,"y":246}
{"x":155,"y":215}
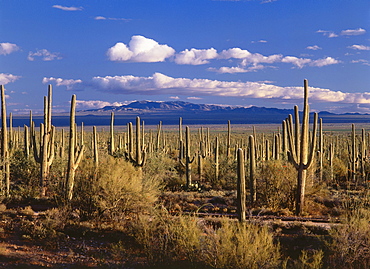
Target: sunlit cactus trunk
{"x":73,"y":160}
{"x":241,"y":193}
{"x":188,"y":159}
{"x":300,"y":153}
{"x":4,"y":146}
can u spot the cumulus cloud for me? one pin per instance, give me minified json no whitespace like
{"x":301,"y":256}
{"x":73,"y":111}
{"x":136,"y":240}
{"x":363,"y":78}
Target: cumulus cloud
{"x":358,"y":31}
{"x":299,"y":62}
{"x":329,"y":34}
{"x":324,"y":62}
{"x":7,"y":78}
{"x":95,"y":104}
{"x":140,"y":49}
{"x":101,"y":18}
{"x":196,"y":56}
{"x":7,"y":48}
{"x":162,"y":84}
{"x":359,"y":47}
{"x":315,"y":47}
{"x":44,"y":54}
{"x":62,"y":82}
{"x":68,"y":8}
{"x":361,"y":61}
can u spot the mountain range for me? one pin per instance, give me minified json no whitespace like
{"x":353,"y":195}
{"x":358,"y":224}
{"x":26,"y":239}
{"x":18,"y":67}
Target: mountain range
{"x":170,"y":111}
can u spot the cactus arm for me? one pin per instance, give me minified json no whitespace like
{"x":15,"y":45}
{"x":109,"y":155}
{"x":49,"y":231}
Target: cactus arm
{"x":313,"y":143}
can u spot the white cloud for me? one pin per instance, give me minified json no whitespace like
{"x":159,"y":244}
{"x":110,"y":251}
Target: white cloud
{"x":140,"y":49}
{"x":68,"y":8}
{"x":329,"y":34}
{"x":101,"y":18}
{"x":7,"y":48}
{"x":195,"y":56}
{"x":359,"y":47}
{"x":358,"y":31}
{"x":194,"y":98}
{"x":174,"y":97}
{"x":94,"y":104}
{"x":62,"y":82}
{"x":361,"y":61}
{"x":315,"y":47}
{"x":299,"y":62}
{"x":324,"y":62}
{"x":162,"y":84}
{"x":228,"y":70}
{"x":44,"y":54}
{"x":7,"y":78}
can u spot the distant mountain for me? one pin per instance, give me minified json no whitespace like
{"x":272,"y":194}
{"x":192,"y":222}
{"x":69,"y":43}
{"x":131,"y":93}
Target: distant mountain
{"x":169,"y":112}
{"x":200,"y":114}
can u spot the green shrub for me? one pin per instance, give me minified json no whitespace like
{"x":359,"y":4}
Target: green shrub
{"x":167,"y":240}
{"x":276,"y":184}
{"x":114,"y":190}
{"x":349,"y":244}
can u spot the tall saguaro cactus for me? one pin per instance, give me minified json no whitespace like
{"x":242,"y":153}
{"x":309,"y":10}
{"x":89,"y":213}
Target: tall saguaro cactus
{"x":45,"y":155}
{"x":241,"y":196}
{"x":140,"y":156}
{"x":301,"y":153}
{"x":188,"y":160}
{"x":73,"y":160}
{"x":4,"y":146}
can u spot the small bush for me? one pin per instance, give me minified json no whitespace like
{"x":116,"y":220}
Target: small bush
{"x":349,"y":244}
{"x":114,"y":190}
{"x":276,"y":184}
{"x":167,"y":240}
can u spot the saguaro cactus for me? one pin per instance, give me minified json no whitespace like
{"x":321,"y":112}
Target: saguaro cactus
{"x":140,"y":156}
{"x":241,"y":196}
{"x":4,"y":146}
{"x":252,"y":170}
{"x":45,"y":155}
{"x":353,"y":155}
{"x":188,"y":160}
{"x":111,"y":137}
{"x":73,"y":160}
{"x":300,"y":154}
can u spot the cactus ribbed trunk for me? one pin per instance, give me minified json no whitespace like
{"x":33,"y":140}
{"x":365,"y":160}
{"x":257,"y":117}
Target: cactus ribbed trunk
{"x":252,"y":170}
{"x":188,"y":160}
{"x":4,"y":146}
{"x":73,"y":160}
{"x":300,"y":153}
{"x":241,"y":193}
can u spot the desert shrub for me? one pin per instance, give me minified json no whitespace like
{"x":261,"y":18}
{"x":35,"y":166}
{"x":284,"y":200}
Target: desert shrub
{"x":47,"y":228}
{"x":241,"y":245}
{"x":227,"y":174}
{"x":167,"y":240}
{"x":276,"y":184}
{"x":25,"y":176}
{"x":114,"y":190}
{"x":349,"y":244}
{"x":162,"y":168}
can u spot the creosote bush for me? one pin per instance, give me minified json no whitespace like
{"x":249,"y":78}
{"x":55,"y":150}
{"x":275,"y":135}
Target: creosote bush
{"x":229,"y":244}
{"x":349,"y":244}
{"x":276,"y":184}
{"x":114,"y":190}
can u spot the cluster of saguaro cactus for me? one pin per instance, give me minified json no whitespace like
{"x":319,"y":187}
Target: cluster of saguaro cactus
{"x":301,"y":151}
{"x":140,"y":154}
{"x":44,"y":155}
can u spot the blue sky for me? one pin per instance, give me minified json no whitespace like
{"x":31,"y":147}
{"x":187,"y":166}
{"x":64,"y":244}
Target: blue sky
{"x":244,"y":53}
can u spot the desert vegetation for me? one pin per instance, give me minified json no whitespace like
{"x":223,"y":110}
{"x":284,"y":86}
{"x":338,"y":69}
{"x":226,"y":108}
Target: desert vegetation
{"x":186,"y":198}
